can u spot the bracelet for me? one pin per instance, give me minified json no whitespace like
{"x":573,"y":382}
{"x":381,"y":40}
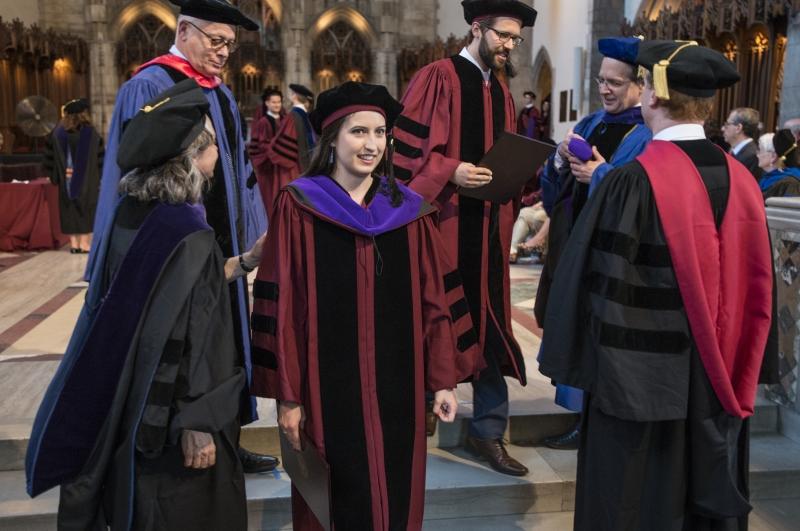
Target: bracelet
{"x":243,"y":266}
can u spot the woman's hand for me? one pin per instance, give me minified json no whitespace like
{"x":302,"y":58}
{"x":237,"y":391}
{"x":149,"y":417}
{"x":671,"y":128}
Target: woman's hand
{"x":445,"y":405}
{"x":199,"y":450}
{"x":290,"y":420}
{"x":252,"y":258}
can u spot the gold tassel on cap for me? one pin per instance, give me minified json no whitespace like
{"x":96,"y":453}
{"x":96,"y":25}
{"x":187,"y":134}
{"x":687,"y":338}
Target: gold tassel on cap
{"x":660,"y":72}
{"x":782,"y":158}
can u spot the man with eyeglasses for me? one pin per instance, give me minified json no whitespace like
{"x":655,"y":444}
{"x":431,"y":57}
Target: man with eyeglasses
{"x":617,"y":134}
{"x":454,"y":110}
{"x":204,"y":39}
{"x":740,"y":132}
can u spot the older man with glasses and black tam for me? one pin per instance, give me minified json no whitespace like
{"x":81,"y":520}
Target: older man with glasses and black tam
{"x":205,"y":36}
{"x":600,"y":142}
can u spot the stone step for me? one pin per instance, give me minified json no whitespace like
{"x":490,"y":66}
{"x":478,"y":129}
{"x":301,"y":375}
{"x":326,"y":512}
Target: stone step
{"x":529,"y":423}
{"x":460,"y":491}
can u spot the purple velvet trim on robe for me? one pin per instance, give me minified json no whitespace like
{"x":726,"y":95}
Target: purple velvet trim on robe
{"x":325,"y":196}
{"x":82,"y":392}
{"x":80,"y":159}
{"x":628,"y":116}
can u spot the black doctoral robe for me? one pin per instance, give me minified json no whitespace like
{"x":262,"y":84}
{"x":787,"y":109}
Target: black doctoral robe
{"x":77,"y":201}
{"x":657,"y":450}
{"x":109,"y":428}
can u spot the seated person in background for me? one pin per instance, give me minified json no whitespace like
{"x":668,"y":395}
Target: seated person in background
{"x":532,"y":221}
{"x":778,"y":157}
{"x":140,"y":423}
{"x":740,"y":131}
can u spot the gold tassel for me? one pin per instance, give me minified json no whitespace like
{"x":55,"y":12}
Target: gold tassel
{"x":660,"y":79}
{"x":660,"y":72}
{"x":782,"y":158}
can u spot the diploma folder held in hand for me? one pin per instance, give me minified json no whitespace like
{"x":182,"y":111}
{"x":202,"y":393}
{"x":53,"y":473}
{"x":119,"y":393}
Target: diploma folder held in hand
{"x":310,"y":475}
{"x":514,"y":160}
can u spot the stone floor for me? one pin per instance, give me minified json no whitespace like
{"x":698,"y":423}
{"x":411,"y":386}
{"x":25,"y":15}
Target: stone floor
{"x":40,"y":298}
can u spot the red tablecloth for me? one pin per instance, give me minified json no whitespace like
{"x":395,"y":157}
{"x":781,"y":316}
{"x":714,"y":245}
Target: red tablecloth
{"x":29,"y":218}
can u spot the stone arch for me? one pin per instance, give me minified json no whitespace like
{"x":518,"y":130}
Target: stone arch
{"x":349,"y":16}
{"x":135,"y":11}
{"x":543,"y":87}
{"x":341,"y":49}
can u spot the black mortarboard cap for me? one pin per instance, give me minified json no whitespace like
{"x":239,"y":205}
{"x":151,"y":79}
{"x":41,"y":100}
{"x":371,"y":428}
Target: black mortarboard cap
{"x":302,"y":90}
{"x":164,"y":127}
{"x":352,"y":97}
{"x":75,"y":106}
{"x":480,"y":9}
{"x":623,"y":49}
{"x":215,"y":11}
{"x":686,"y":67}
{"x":785,"y":145}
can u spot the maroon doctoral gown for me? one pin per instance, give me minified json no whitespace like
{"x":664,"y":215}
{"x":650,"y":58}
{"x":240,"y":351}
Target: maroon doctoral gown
{"x":264,"y":130}
{"x":289,"y":153}
{"x":356,"y":315}
{"x":451,"y":115}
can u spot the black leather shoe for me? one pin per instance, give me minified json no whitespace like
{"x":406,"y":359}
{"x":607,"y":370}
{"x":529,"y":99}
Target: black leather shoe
{"x":253,"y":463}
{"x":493,"y":451}
{"x":565,"y":441}
{"x":430,"y":420}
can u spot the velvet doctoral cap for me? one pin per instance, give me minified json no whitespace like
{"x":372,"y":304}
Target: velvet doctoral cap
{"x":352,"y":97}
{"x":477,"y":10}
{"x":75,"y":106}
{"x":623,"y":49}
{"x":164,"y":127}
{"x":686,"y":67}
{"x":785,"y":145}
{"x":215,"y":11}
{"x":301,"y":90}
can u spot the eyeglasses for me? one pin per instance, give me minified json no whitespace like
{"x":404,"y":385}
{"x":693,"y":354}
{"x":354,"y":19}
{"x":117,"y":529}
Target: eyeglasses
{"x":611,"y":83}
{"x":217,"y":42}
{"x":504,"y":36}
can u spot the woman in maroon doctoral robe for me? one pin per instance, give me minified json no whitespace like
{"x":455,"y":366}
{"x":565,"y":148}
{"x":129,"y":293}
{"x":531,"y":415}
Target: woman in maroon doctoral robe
{"x":356,"y":315}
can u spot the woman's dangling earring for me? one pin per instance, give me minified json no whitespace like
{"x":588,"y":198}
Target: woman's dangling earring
{"x":331,"y":156}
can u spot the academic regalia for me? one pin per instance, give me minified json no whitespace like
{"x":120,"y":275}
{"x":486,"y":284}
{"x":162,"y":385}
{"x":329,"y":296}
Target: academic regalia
{"x":356,"y":315}
{"x":289,"y":153}
{"x":451,"y":116}
{"x":619,"y":138}
{"x":264,"y":130}
{"x":664,"y":433}
{"x":233,"y":210}
{"x":780,"y":183}
{"x":152,"y":354}
{"x":81,"y":151}
{"x":528,"y":122}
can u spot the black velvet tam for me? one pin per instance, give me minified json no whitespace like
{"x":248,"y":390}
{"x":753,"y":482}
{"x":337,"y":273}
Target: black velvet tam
{"x":476,"y":9}
{"x":164,"y":127}
{"x":694,"y":70}
{"x":301,"y":89}
{"x":351,"y":97}
{"x":75,"y":106}
{"x":215,"y":11}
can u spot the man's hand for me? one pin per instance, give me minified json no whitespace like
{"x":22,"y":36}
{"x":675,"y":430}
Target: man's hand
{"x":252,"y":258}
{"x":290,"y":419}
{"x":445,"y":405}
{"x":583,"y":170}
{"x":199,"y":450}
{"x":467,"y":175}
{"x":563,"y":147}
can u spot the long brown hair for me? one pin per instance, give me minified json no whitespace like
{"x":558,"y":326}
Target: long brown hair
{"x":321,"y":164}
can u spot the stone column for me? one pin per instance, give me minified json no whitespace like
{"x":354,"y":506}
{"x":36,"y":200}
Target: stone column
{"x":790,"y":92}
{"x":103,"y":80}
{"x":384,"y":53}
{"x":297,"y":50}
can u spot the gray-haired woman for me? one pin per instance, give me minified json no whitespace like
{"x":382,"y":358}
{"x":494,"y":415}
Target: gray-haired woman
{"x":140,"y":424}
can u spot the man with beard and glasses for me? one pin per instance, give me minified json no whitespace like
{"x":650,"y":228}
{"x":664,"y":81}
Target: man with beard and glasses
{"x":455,"y":108}
{"x":617,"y":134}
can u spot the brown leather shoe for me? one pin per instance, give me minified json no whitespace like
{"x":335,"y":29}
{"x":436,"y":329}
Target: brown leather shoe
{"x":493,"y":451}
{"x":430,"y":420}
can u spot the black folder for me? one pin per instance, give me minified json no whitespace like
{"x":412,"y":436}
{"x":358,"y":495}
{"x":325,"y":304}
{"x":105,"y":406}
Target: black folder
{"x":310,"y":475}
{"x":514,"y":160}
